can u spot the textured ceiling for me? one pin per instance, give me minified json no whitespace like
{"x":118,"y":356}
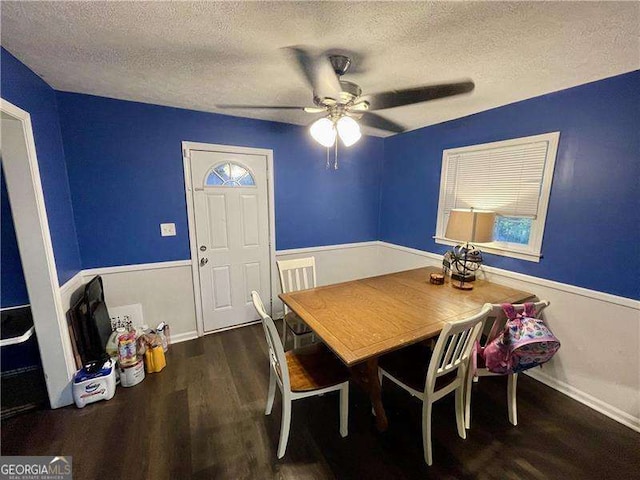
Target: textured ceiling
{"x":199,"y":54}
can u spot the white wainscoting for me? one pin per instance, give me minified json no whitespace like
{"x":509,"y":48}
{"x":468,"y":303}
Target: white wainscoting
{"x":598,"y":364}
{"x":599,"y":361}
{"x":334,"y":264}
{"x":165,"y":290}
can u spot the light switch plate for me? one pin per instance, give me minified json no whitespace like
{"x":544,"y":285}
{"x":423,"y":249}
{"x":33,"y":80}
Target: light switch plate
{"x":168,"y":229}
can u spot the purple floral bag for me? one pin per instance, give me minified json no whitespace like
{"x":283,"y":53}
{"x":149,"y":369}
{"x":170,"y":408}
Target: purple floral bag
{"x":525,"y":342}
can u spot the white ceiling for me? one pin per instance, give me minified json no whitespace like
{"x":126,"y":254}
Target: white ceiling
{"x":199,"y":54}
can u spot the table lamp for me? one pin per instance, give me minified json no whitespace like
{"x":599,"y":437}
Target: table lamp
{"x":469,"y":226}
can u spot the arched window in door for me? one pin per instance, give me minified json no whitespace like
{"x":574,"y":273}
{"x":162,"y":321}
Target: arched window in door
{"x":229,"y":174}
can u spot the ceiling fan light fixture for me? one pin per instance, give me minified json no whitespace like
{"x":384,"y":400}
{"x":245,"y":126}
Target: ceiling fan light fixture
{"x":349,"y":130}
{"x":323,"y":132}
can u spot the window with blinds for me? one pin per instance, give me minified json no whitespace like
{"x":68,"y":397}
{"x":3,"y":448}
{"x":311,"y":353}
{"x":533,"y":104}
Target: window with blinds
{"x":511,"y":178}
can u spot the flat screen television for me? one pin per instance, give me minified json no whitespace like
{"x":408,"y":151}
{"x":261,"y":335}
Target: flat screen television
{"x":91,"y":323}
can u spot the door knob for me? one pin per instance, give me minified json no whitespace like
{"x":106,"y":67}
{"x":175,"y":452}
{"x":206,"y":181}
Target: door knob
{"x":203,"y":261}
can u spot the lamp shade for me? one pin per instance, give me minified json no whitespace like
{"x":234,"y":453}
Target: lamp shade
{"x":474,"y":226}
{"x":349,"y":130}
{"x":323,"y":131}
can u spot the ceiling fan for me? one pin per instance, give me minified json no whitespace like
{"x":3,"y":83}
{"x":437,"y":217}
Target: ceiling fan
{"x":343,"y":103}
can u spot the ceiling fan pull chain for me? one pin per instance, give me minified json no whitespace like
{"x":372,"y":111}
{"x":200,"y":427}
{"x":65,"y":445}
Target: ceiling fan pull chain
{"x":327,"y":166}
{"x":335,"y":161}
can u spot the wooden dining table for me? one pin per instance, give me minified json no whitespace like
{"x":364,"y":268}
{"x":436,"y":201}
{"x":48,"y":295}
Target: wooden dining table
{"x":363,"y":319}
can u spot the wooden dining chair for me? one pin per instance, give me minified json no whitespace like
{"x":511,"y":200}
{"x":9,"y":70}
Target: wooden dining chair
{"x":296,"y":274}
{"x":431,"y":374}
{"x":495,"y":323}
{"x":299,"y":374}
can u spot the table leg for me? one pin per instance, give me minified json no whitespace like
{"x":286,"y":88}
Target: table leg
{"x":366,"y":375}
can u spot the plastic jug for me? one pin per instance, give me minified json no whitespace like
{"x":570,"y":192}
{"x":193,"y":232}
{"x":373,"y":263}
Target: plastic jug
{"x":154,"y":360}
{"x":112,"y":344}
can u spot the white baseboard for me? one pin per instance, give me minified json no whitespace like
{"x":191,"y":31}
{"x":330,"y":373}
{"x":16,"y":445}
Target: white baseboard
{"x":586,"y":399}
{"x":183,"y":337}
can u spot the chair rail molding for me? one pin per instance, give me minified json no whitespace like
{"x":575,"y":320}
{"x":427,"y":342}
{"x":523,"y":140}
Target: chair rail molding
{"x":565,"y":287}
{"x":135,"y":267}
{"x":326,"y":248}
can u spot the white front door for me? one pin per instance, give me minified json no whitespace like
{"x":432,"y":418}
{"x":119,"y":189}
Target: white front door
{"x":231,"y":205}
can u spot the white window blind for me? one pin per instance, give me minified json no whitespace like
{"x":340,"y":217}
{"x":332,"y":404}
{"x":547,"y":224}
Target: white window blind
{"x":506,"y":180}
{"x":510,"y":177}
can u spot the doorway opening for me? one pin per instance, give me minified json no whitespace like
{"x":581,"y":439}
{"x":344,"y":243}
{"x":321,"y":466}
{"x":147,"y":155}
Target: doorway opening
{"x":24,"y":187}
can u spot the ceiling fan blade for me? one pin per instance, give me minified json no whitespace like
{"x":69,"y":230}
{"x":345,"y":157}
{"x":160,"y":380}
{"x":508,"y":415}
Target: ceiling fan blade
{"x":318,"y":71}
{"x":376,"y":121}
{"x":267,"y":107}
{"x":360,"y":106}
{"x":408,"y":96}
{"x":315,"y":109}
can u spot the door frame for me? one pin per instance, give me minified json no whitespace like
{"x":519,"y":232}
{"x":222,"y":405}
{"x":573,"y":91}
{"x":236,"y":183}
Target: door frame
{"x":24,"y":186}
{"x":187,"y":147}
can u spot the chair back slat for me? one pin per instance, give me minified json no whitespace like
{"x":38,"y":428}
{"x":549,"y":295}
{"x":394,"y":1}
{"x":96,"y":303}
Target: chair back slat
{"x":296,"y":274}
{"x":289,"y":285}
{"x":461,"y":344}
{"x":497,"y":318}
{"x":446,"y":358}
{"x":454,"y":345}
{"x":277,"y":357}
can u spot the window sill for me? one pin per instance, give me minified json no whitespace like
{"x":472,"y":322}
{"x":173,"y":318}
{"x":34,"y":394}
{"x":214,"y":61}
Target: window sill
{"x":522,"y":255}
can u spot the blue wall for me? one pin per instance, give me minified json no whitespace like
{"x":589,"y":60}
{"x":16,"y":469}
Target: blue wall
{"x":126,"y":174}
{"x":13,"y":290}
{"x":124,"y":167}
{"x":592,"y":235}
{"x":26,"y":90}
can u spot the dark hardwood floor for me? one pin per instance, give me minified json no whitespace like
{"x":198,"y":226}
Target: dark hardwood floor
{"x":203,"y":417}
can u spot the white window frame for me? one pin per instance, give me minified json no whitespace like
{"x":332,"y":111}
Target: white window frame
{"x":532,"y":251}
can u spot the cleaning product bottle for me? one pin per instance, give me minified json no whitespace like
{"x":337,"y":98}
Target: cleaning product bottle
{"x":112,"y":349}
{"x":162,"y":330}
{"x":112,"y":344}
{"x":154,"y":359}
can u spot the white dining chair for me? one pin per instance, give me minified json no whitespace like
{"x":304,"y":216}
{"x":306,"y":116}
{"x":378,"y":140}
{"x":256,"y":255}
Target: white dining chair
{"x":296,"y":274}
{"x":495,"y":323}
{"x":300,"y":374}
{"x":431,"y":375}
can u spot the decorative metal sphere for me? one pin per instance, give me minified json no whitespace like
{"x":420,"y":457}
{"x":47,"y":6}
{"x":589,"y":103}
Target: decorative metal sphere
{"x":457,"y":259}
